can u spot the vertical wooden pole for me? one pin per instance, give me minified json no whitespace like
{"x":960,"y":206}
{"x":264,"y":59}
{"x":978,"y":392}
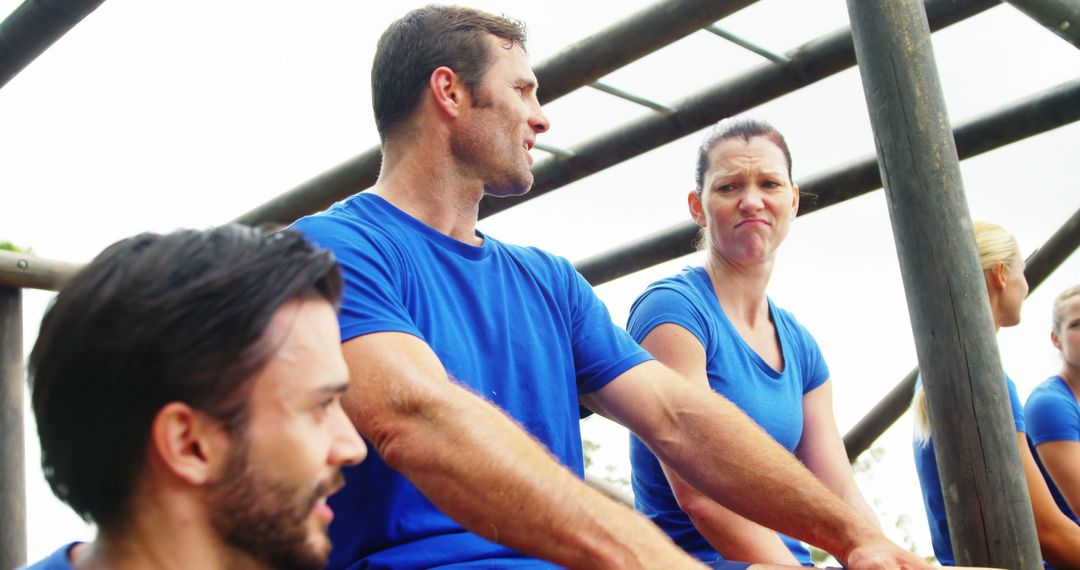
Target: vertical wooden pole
{"x":986,"y":499}
{"x":12,"y":460}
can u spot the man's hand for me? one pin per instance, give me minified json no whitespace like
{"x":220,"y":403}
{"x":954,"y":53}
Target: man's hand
{"x":881,"y":554}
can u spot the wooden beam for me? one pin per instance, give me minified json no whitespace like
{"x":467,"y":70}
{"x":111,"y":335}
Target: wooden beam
{"x":33,"y":27}
{"x":31,"y":272}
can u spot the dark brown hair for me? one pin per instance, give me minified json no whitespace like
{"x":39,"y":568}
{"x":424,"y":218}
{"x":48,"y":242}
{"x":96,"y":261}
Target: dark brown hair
{"x":424,"y":40}
{"x":745,"y":128}
{"x":156,"y":319}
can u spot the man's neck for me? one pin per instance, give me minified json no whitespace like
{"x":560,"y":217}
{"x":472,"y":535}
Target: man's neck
{"x":160,"y":540}
{"x":431,"y":188}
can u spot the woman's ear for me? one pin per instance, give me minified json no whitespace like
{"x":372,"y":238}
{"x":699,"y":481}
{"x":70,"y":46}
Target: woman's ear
{"x":999,"y":275}
{"x":795,"y":201}
{"x":1055,"y":340}
{"x":693,"y":201}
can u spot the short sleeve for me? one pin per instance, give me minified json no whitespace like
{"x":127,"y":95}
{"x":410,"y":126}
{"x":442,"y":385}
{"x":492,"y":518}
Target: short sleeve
{"x":817,"y":371}
{"x":814,"y":370}
{"x":372,"y":269}
{"x":664,"y":304}
{"x":1017,"y":408}
{"x":1051,"y":417}
{"x":602,"y":351}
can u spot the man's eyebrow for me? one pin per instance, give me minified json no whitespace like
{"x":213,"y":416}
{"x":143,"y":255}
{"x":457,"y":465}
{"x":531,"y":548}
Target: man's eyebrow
{"x":331,"y":389}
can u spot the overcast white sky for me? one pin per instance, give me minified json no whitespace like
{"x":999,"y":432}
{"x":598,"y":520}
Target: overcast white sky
{"x":154,"y":116}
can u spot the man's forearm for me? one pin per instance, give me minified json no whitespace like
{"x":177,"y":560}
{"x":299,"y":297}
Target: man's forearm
{"x":490,"y":476}
{"x":733,"y":461}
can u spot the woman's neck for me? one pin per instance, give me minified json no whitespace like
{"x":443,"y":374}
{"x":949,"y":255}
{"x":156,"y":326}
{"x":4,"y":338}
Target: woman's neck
{"x":1071,"y":375}
{"x":741,"y":289}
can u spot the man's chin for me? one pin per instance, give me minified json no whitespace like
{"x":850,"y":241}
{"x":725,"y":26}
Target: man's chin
{"x":318,"y":544}
{"x":509,"y":190}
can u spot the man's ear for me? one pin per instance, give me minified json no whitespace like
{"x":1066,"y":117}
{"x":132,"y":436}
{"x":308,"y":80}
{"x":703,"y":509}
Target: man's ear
{"x":187,"y":442}
{"x":447,"y":90}
{"x":693,"y":201}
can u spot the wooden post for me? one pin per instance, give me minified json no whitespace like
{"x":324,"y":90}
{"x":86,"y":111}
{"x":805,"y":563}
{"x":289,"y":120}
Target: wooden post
{"x":12,"y":461}
{"x":986,"y":498}
{"x":1040,"y":265}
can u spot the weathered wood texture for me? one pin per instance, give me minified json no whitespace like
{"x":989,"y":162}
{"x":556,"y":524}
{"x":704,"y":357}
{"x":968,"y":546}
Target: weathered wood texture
{"x":34,"y":26}
{"x":1040,"y":265}
{"x":12,"y":460}
{"x":986,"y":497}
{"x":32,"y":272}
{"x":1059,"y":16}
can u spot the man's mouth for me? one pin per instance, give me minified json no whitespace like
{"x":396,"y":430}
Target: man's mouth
{"x":323,"y":510}
{"x":322,"y":493}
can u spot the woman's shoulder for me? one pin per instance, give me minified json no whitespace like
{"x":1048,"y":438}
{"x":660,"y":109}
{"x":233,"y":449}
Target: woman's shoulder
{"x":692,"y":283}
{"x":1053,"y":389}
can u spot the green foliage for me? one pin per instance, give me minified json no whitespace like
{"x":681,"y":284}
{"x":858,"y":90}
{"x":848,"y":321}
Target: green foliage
{"x":610,"y":475}
{"x":821,"y":558}
{"x":868,"y":460}
{"x":8,"y":246}
{"x":588,"y":447}
{"x":864,"y":468}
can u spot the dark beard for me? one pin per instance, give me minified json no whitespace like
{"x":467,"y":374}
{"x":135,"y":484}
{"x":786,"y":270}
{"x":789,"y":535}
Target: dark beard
{"x":265,"y":518}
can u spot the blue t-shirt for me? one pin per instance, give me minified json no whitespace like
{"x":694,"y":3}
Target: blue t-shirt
{"x":518,"y":326}
{"x":773,"y":399}
{"x":1053,"y":415}
{"x":933,"y":499}
{"x":56,"y":561}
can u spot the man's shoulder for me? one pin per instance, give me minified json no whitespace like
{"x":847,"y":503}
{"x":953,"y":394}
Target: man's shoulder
{"x":56,"y":561}
{"x":350,"y":227}
{"x":533,"y":257}
{"x":353,"y":214}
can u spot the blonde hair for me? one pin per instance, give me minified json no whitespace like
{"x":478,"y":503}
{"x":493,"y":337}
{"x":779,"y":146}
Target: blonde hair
{"x":995,"y":244}
{"x":1058,"y":312}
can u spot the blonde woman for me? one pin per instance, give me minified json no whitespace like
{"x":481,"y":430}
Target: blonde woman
{"x":1053,"y":412}
{"x":1059,"y":537}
